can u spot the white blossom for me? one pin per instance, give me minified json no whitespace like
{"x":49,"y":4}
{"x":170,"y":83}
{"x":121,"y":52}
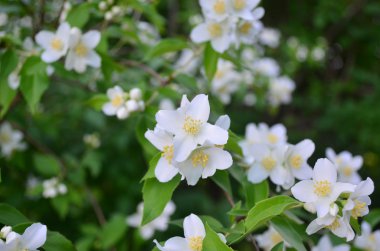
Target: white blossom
{"x":269,"y":239}
{"x":270,"y":37}
{"x":267,"y":67}
{"x":225,"y":82}
{"x":280,"y":91}
{"x":368,"y":240}
{"x":32,"y":239}
{"x":358,"y":202}
{"x":116,"y":105}
{"x":10,"y":140}
{"x":325,"y":244}
{"x":52,"y":188}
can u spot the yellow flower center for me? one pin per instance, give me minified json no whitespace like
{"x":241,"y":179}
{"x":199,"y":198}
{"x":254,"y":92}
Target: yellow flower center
{"x":5,"y":138}
{"x":220,"y":7}
{"x":272,"y":138}
{"x":296,"y":161}
{"x":168,"y":153}
{"x":117,"y":100}
{"x":276,"y":238}
{"x":81,"y":50}
{"x":269,"y":163}
{"x":334,"y":225}
{"x":199,"y":158}
{"x":215,"y":30}
{"x":322,"y":188}
{"x":347,"y":171}
{"x":219,"y":74}
{"x":56,"y":44}
{"x":245,"y":28}
{"x":192,"y":126}
{"x":358,"y":209}
{"x":239,"y":4}
{"x":196,"y":243}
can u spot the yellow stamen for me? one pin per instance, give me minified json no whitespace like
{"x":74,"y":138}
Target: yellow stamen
{"x":81,"y":50}
{"x":296,"y":161}
{"x":269,"y":163}
{"x":215,"y":30}
{"x":276,"y":238}
{"x":117,"y":100}
{"x":56,"y":44}
{"x":358,"y":209}
{"x":322,"y":188}
{"x":220,"y":7}
{"x":192,"y":126}
{"x":239,"y":4}
{"x":334,"y":225}
{"x":347,"y":171}
{"x":272,"y":138}
{"x":168,"y":153}
{"x":245,"y":28}
{"x":196,"y":243}
{"x":5,"y":138}
{"x":199,"y":158}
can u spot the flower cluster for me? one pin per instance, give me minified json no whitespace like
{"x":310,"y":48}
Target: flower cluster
{"x":267,"y":154}
{"x":52,"y":188}
{"x":189,"y":144}
{"x":33,"y":238}
{"x":70,"y":42}
{"x":194,"y":231}
{"x":228,"y":22}
{"x":122,"y":104}
{"x":334,"y":202}
{"x":302,"y":52}
{"x":111,"y":11}
{"x":160,"y":223}
{"x":10,"y":140}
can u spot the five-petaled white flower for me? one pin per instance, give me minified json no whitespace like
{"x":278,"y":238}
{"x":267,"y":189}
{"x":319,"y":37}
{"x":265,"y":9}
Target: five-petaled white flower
{"x":368,"y":240}
{"x":55,"y":45}
{"x":10,"y":140}
{"x":323,"y":190}
{"x":194,"y":231}
{"x":189,"y":126}
{"x":358,"y":202}
{"x":217,"y":10}
{"x":280,"y":91}
{"x":325,"y":244}
{"x":33,"y":238}
{"x":81,"y":52}
{"x":270,"y":37}
{"x":160,"y":223}
{"x":116,"y":106}
{"x":347,"y":165}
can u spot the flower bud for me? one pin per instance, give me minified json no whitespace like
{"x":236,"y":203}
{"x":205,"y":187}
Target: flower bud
{"x":102,"y":5}
{"x":116,"y":10}
{"x":108,"y":16}
{"x":132,"y":105}
{"x":135,"y":93}
{"x":122,"y":113}
{"x":5,"y":231}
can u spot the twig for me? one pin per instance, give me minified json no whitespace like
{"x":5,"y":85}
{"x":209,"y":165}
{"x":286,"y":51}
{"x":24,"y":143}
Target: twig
{"x":96,"y":207}
{"x":148,"y":70}
{"x":229,"y":199}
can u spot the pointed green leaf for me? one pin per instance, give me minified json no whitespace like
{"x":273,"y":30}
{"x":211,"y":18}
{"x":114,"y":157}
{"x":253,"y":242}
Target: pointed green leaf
{"x":212,"y":241}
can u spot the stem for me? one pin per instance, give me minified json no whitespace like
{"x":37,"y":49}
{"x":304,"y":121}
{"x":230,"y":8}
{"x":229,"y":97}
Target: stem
{"x":148,"y":70}
{"x":229,"y":199}
{"x":96,"y":207}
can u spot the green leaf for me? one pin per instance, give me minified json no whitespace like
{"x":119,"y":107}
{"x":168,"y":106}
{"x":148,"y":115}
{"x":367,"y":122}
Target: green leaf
{"x":97,"y":101}
{"x":288,"y":231}
{"x":61,"y":205}
{"x":212,"y":241}
{"x":57,"y":242}
{"x":222,"y":179}
{"x":92,"y":160}
{"x":156,"y":195}
{"x":8,"y":63}
{"x":143,"y":123}
{"x":233,"y":143}
{"x":11,"y":216}
{"x":79,"y":15}
{"x":113,"y":231}
{"x":210,"y":61}
{"x":355,"y":225}
{"x":255,"y":192}
{"x":373,"y":218}
{"x":152,"y":166}
{"x":34,"y":81}
{"x":46,"y":165}
{"x":278,"y":247}
{"x":165,"y":46}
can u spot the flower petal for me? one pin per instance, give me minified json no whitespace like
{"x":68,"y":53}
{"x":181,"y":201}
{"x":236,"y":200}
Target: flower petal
{"x":257,"y":174}
{"x":44,"y":38}
{"x":200,"y":33}
{"x":91,"y":39}
{"x":34,"y":236}
{"x":325,"y":170}
{"x":164,"y":171}
{"x":304,"y":191}
{"x":183,"y":146}
{"x":174,"y":244}
{"x":171,"y":121}
{"x":199,"y":108}
{"x":214,"y":134}
{"x":193,"y":227}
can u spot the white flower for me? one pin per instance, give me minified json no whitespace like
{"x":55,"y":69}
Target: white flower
{"x":52,"y":188}
{"x":33,"y":238}
{"x":10,"y":140}
{"x":203,"y":162}
{"x":160,"y":223}
{"x":270,"y":37}
{"x":189,"y":126}
{"x":301,"y":53}
{"x":81,"y":52}
{"x":273,"y":136}
{"x":225,"y":82}
{"x":267,"y":67}
{"x":269,"y":239}
{"x":217,"y":10}
{"x":318,"y":54}
{"x":325,"y":244}
{"x":323,"y":190}
{"x":135,"y":94}
{"x":245,"y":9}
{"x":358,"y":202}
{"x":194,"y":231}
{"x":296,"y":157}
{"x":268,"y":163}
{"x":55,"y":45}
{"x":247,"y":31}
{"x":368,"y":240}
{"x":187,"y":61}
{"x":347,"y":165}
{"x":250,"y":99}
{"x":338,"y":225}
{"x":163,"y":141}
{"x":219,"y":33}
{"x":5,"y":231}
{"x":14,"y":80}
{"x":280,"y":91}
{"x":116,"y":106}
{"x":92,"y":140}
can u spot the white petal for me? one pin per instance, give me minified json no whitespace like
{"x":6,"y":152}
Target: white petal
{"x":44,"y":38}
{"x":70,"y":60}
{"x":278,"y":175}
{"x":221,"y":44}
{"x":50,"y":56}
{"x":214,"y":134}
{"x":193,"y":227}
{"x":330,"y":153}
{"x":146,"y":232}
{"x":183,"y":146}
{"x":109,"y":109}
{"x":365,"y":187}
{"x":199,"y":108}
{"x":218,"y":158}
{"x":191,"y":173}
{"x":91,"y":39}
{"x":200,"y":33}
{"x":224,"y":122}
{"x":171,"y":121}
{"x":134,"y":220}
{"x":258,"y":13}
{"x":93,"y":59}
{"x":340,"y":188}
{"x":257,"y":174}
{"x":164,"y":171}
{"x":157,"y":139}
{"x":174,"y":244}
{"x":34,"y":236}
{"x":325,"y":170}
{"x":304,"y":191}
{"x":303,"y":173}
{"x":313,"y":227}
{"x":305,"y":148}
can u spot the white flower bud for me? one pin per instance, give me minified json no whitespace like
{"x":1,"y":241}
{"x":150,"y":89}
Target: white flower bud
{"x":108,"y":16}
{"x":5,"y":231}
{"x":310,"y":208}
{"x":135,"y":94}
{"x":102,"y":5}
{"x":132,"y":105}
{"x":62,"y":189}
{"x":122,"y":113}
{"x":116,"y":10}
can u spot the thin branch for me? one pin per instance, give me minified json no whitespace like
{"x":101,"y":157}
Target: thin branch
{"x":96,"y":207}
{"x":229,"y":199}
{"x":148,"y":70}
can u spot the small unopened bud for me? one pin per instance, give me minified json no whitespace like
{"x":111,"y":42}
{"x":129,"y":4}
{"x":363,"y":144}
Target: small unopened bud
{"x":132,"y":105}
{"x":5,"y":231}
{"x":122,"y":113}
{"x":102,"y":5}
{"x":135,"y":94}
{"x":116,"y":10}
{"x":108,"y":16}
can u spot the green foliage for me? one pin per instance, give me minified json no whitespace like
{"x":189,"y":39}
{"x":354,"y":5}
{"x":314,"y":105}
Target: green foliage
{"x":46,"y":165}
{"x":79,"y":15}
{"x":166,"y":46}
{"x":8,"y":63}
{"x":213,"y":242}
{"x":210,"y":61}
{"x":113,"y":231}
{"x":289,"y":231}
